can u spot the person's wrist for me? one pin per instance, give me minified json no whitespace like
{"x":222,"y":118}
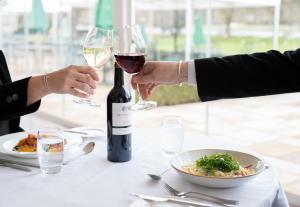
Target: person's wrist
{"x":37,"y":82}
{"x":47,"y":82}
{"x":35,"y":89}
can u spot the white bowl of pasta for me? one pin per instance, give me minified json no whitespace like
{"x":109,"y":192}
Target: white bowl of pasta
{"x":217,"y":168}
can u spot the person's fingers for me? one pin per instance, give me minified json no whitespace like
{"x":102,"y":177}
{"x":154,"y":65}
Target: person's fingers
{"x":89,"y":70}
{"x":150,"y":89}
{"x":143,"y":78}
{"x":146,"y":89}
{"x":149,"y":86}
{"x":82,"y":87}
{"x":77,"y":93}
{"x":133,"y":82}
{"x":85,"y":78}
{"x":143,"y":91}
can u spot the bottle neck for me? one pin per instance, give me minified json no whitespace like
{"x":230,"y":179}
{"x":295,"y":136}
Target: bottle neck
{"x":119,"y":76}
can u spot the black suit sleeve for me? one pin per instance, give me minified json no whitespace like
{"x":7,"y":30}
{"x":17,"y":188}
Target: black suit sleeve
{"x":13,"y":100}
{"x":240,"y":76}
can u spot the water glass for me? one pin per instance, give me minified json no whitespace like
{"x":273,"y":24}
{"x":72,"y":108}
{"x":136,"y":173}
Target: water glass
{"x":172,"y":135}
{"x":50,"y":149}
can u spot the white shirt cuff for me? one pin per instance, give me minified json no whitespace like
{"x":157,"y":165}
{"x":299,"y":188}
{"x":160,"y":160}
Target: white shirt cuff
{"x":191,"y":73}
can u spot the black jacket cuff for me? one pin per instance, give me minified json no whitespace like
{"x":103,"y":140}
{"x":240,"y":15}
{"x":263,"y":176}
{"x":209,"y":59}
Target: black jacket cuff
{"x":204,"y":87}
{"x":13,"y":100}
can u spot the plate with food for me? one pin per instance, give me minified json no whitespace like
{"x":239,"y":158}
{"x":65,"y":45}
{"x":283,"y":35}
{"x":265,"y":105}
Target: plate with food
{"x":23,"y":144}
{"x":217,"y":168}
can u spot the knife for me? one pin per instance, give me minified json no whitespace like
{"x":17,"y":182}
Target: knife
{"x":19,"y":163}
{"x":171,"y":199}
{"x":15,"y":166}
{"x":75,"y":132}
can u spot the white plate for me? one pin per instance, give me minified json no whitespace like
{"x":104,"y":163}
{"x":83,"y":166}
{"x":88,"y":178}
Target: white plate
{"x":7,"y":143}
{"x":189,"y":157}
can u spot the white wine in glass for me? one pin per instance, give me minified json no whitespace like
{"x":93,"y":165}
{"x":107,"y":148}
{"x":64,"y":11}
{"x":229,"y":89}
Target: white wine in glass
{"x":97,"y":56}
{"x":97,"y":50}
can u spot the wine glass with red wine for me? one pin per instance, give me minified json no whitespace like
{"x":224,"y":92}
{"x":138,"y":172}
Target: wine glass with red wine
{"x":130,"y":52}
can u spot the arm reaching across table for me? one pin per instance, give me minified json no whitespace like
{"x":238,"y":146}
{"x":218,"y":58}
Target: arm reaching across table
{"x":234,"y":76}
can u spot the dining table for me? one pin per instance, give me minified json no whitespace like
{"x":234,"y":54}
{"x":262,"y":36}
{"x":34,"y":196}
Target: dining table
{"x":93,"y":181}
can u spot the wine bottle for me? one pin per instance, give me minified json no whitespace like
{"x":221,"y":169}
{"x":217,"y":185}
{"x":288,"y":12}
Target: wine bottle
{"x":119,"y":120}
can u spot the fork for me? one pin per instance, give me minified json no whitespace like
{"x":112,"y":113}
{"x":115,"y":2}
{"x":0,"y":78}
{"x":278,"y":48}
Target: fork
{"x":218,"y":200}
{"x":175,"y":192}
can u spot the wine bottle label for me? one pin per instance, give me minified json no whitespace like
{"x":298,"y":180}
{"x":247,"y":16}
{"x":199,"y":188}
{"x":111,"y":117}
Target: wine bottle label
{"x":122,"y":116}
{"x":121,"y":131}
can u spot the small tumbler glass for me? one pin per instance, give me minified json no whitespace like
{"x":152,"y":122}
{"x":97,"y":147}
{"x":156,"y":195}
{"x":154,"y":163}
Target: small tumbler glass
{"x":50,"y":149}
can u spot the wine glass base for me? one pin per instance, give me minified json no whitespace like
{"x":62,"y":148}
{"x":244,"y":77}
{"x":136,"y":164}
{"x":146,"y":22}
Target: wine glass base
{"x":88,"y":102}
{"x":169,"y":155}
{"x":143,"y":105}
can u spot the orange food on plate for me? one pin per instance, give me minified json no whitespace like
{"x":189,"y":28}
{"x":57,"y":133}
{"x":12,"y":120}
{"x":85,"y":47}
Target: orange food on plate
{"x":27,"y":144}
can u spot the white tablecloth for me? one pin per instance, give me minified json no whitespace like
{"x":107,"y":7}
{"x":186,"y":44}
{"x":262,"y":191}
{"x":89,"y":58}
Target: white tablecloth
{"x":93,"y":181}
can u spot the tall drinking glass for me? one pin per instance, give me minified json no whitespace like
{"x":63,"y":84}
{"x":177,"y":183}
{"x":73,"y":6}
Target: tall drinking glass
{"x":50,"y":149}
{"x":97,"y":50}
{"x":172,"y":135}
{"x":130,"y":51}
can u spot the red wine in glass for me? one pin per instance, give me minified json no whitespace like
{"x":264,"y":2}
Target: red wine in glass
{"x":131,"y":62}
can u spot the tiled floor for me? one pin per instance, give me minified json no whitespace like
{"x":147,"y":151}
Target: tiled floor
{"x":269,"y":125}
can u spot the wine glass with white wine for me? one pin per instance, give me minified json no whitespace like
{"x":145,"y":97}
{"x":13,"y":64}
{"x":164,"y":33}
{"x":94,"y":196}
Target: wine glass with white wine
{"x":97,"y":50}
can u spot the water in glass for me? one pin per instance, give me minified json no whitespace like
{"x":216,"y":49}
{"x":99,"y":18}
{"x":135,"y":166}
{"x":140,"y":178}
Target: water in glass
{"x":50,"y":152}
{"x":172,"y":135}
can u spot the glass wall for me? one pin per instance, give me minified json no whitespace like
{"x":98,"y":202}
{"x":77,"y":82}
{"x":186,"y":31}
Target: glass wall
{"x":233,"y":30}
{"x":31,"y":49}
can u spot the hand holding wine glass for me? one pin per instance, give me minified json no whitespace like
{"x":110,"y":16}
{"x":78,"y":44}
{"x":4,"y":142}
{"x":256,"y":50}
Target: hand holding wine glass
{"x":130,"y":52}
{"x":156,"y":73}
{"x":79,"y":81}
{"x":75,"y":80}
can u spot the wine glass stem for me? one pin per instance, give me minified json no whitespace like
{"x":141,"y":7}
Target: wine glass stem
{"x":141,"y":100}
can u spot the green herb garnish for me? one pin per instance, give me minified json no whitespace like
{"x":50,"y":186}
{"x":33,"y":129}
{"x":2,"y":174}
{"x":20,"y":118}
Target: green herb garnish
{"x":218,"y":161}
